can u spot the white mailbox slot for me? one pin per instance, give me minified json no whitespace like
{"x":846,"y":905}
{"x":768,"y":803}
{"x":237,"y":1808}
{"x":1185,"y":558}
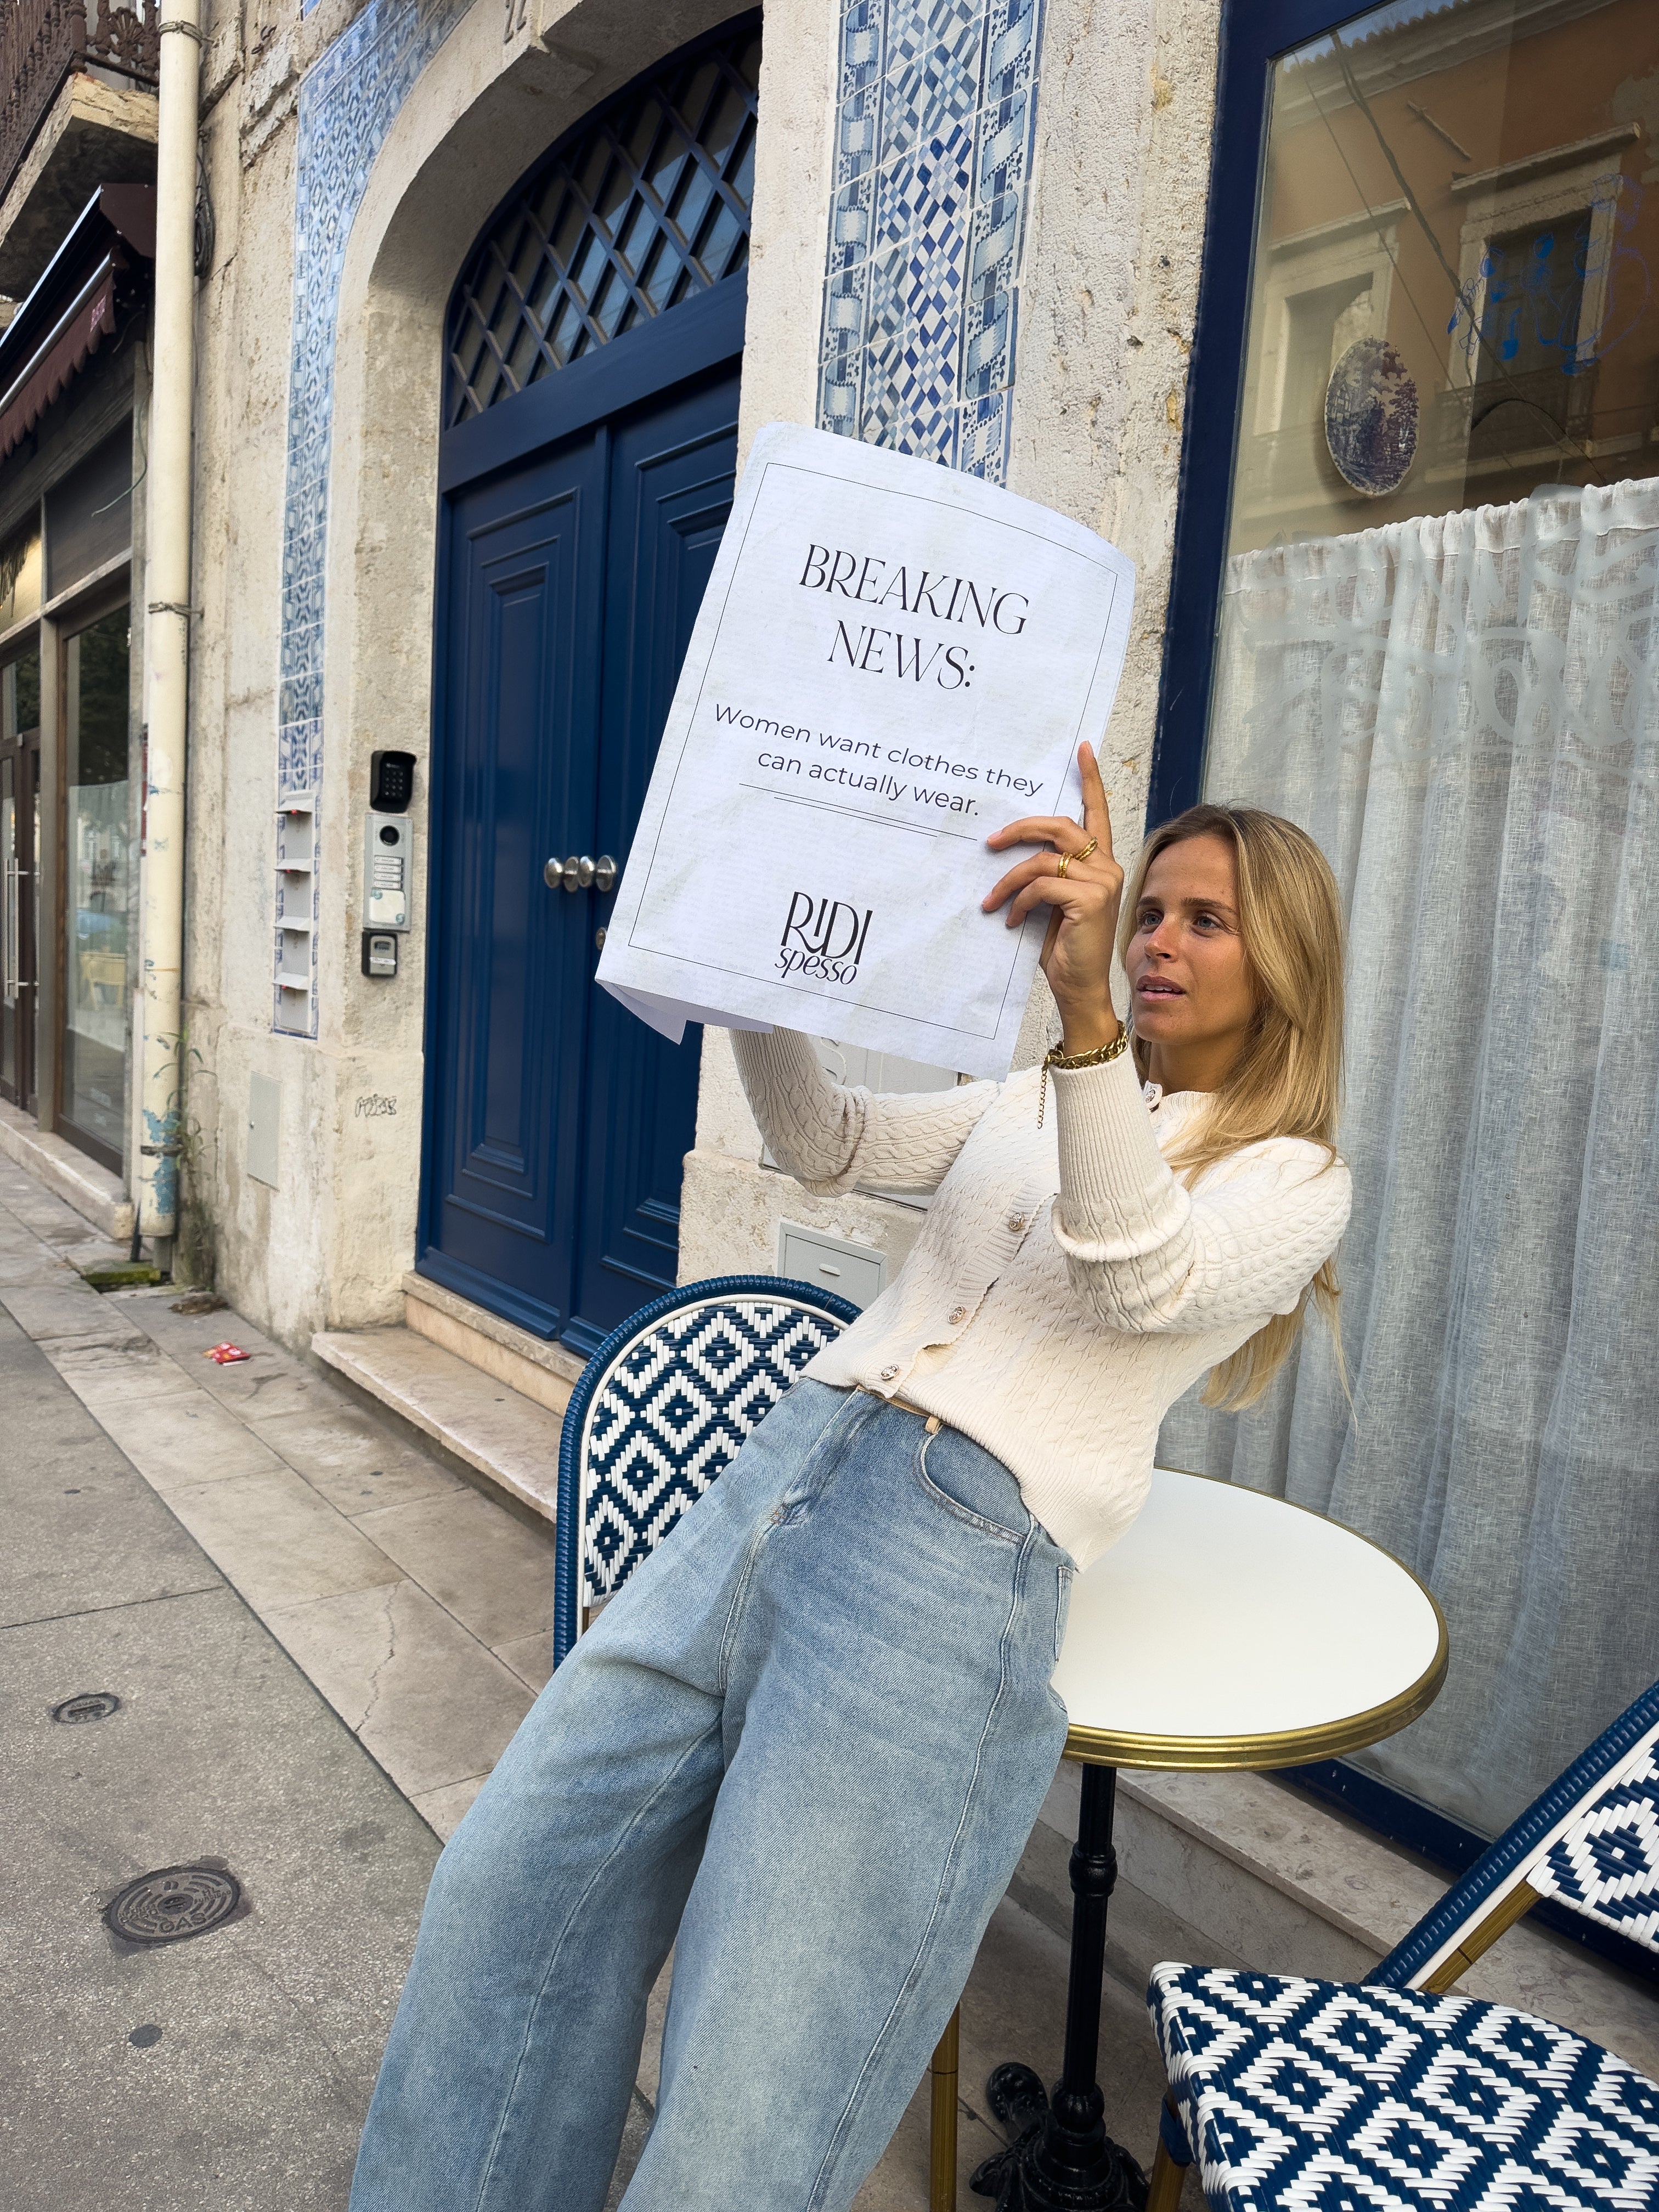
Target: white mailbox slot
{"x":855,"y":1271}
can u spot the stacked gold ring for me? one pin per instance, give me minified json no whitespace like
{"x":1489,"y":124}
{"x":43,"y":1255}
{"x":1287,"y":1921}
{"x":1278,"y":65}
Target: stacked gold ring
{"x":1081,"y":854}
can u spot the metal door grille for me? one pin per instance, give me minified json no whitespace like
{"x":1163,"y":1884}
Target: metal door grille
{"x":644,"y":204}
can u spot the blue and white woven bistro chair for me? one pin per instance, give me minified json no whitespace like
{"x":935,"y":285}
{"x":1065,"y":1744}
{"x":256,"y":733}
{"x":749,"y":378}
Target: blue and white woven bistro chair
{"x":1393,"y":2095}
{"x":661,"y":1408}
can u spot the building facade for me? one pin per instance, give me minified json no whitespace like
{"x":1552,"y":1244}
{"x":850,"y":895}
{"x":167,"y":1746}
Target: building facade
{"x":1341,"y":326}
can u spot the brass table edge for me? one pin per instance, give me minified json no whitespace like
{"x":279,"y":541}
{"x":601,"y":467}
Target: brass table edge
{"x":1186,"y":1754}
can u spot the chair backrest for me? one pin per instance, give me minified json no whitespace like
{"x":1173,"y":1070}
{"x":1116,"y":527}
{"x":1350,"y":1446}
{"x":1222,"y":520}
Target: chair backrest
{"x":1591,"y":1841}
{"x":661,"y":1408}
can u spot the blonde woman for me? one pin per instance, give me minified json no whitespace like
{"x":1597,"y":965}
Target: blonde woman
{"x":806,"y":1743}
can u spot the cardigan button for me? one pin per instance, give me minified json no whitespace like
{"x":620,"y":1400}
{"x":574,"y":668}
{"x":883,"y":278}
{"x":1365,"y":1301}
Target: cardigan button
{"x":1018,"y":1223}
{"x":889,"y":1374}
{"x":958,"y":1314}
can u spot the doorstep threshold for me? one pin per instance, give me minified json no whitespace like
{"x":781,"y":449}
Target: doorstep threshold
{"x":68,"y":1173}
{"x":506,"y":1437}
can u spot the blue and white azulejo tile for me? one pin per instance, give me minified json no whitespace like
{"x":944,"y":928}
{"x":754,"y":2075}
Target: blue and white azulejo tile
{"x":347,"y":103}
{"x":936,"y":122}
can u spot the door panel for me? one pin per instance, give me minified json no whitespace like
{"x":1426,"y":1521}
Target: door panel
{"x":557,"y":1124}
{"x":516,"y":783}
{"x":673,"y":469}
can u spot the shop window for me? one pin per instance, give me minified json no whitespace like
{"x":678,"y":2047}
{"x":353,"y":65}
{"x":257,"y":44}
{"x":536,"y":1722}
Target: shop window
{"x":1415,"y":607}
{"x":645,"y":205}
{"x":99,"y":887}
{"x":20,"y":578}
{"x":89,"y":514}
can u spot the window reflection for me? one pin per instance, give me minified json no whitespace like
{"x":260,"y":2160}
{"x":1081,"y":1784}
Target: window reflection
{"x":99,"y":884}
{"x":1452,"y":301}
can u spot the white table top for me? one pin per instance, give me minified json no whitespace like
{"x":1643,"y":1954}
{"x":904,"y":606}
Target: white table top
{"x":1228,"y":1629}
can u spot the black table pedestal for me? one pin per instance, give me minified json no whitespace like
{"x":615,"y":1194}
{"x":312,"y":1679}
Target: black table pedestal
{"x":1063,"y":2160}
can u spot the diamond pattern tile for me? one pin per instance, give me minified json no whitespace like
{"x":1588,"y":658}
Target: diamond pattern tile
{"x":936,"y":124}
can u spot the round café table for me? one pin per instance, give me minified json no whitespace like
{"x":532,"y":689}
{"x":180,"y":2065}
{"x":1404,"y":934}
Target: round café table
{"x":1224,"y":1630}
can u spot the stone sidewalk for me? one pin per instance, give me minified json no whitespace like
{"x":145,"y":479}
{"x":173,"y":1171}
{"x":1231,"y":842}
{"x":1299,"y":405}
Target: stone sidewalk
{"x":422,"y":1608}
{"x":228,"y":2073}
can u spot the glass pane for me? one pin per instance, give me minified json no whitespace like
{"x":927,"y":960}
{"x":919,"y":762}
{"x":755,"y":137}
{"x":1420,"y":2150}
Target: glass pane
{"x":1439,"y":600}
{"x":20,"y":696}
{"x":1452,"y":301}
{"x":89,"y":512}
{"x":10,"y":919}
{"x":19,"y":577}
{"x":99,"y":878}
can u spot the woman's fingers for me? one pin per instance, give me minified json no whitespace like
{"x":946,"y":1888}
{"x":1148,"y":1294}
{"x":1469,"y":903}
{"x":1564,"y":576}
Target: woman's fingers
{"x":1097,"y":808}
{"x":1027,"y":871}
{"x":1056,"y":829}
{"x":1075,"y":899}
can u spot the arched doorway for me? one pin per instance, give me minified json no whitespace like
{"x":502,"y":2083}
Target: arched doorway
{"x":586,"y":471}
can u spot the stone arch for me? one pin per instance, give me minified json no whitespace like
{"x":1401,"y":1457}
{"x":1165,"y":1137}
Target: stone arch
{"x":480,"y":112}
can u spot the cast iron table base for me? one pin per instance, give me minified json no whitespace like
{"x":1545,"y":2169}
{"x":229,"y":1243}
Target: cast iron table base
{"x":1062,"y":2159}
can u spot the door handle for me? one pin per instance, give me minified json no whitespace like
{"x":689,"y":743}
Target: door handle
{"x":579,"y":873}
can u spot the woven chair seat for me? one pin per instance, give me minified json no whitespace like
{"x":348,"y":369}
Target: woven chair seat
{"x":1337,"y":2097}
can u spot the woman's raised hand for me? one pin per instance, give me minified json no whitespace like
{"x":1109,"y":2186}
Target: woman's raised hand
{"x":1077,"y":953}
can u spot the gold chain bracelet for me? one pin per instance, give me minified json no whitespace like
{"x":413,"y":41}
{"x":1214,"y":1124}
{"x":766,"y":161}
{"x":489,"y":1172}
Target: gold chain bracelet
{"x":1054,"y":1057}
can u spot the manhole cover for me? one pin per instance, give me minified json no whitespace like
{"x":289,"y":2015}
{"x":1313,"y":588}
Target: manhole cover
{"x":88,"y":1706}
{"x":166,"y":1906}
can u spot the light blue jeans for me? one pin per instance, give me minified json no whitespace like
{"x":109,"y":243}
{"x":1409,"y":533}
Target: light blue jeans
{"x":805,"y":1744}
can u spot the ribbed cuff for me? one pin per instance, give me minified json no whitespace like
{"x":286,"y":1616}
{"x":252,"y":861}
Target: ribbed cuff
{"x":1113,"y":1180}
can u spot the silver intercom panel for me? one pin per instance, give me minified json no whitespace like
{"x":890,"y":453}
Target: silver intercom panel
{"x":387,"y":852}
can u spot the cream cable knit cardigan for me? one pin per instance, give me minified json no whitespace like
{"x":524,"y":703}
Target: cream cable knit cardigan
{"x":1066,"y":1287}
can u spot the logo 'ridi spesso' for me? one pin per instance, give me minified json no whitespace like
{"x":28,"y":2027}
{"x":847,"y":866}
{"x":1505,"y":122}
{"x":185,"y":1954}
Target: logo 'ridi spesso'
{"x":823,"y":939}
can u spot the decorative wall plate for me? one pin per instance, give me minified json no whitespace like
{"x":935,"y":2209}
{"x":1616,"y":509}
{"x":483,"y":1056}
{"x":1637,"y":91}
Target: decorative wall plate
{"x":1371,"y":417}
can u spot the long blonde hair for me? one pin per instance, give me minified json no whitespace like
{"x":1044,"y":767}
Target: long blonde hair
{"x":1287,"y":1081}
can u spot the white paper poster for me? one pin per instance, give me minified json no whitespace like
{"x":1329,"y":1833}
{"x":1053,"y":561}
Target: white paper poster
{"x":891,"y":660}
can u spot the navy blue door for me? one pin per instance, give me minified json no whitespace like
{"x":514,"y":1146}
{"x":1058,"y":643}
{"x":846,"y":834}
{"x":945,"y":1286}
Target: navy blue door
{"x":557,"y":1123}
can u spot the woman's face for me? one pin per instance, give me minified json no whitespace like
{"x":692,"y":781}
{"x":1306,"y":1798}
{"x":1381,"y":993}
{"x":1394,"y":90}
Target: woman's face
{"x":1189,"y":980}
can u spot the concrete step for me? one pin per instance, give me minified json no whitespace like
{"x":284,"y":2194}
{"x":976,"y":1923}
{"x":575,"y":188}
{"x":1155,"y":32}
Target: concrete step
{"x":97,"y":1195}
{"x":474,"y":1416}
{"x":529,"y":1364}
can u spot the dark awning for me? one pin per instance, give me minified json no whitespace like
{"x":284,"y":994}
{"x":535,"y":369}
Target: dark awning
{"x":80,"y":303}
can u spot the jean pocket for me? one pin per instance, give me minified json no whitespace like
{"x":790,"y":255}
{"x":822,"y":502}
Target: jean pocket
{"x":964,"y":1477}
{"x":1064,"y":1573}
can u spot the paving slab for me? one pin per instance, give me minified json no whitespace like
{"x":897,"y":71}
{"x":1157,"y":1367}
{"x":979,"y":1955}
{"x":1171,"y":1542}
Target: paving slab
{"x":183,"y":1438}
{"x":51,"y":1311}
{"x":83,"y":1529}
{"x":531,"y":1657}
{"x":443,"y":1810}
{"x":357,"y":1463}
{"x":429,"y":1701}
{"x":494,"y":1573}
{"x":277,"y":1540}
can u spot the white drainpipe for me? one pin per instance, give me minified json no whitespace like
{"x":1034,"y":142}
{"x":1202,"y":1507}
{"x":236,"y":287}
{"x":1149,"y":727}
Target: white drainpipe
{"x":167,"y":555}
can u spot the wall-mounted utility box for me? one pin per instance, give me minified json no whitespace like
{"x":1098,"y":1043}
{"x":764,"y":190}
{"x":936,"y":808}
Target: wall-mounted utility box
{"x":854,"y":1272}
{"x":265,"y":1129}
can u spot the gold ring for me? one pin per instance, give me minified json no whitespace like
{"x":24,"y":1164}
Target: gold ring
{"x":1081,"y":854}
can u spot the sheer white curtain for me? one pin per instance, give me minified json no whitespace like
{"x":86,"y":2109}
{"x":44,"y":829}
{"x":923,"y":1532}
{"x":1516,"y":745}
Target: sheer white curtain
{"x":1464,"y":710}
